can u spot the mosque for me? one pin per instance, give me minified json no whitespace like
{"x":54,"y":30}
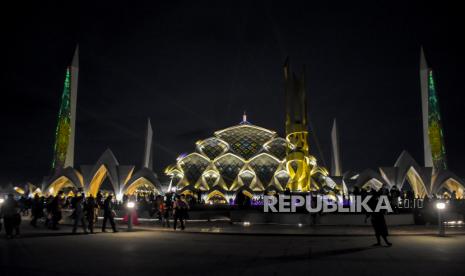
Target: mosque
{"x":251,"y":160}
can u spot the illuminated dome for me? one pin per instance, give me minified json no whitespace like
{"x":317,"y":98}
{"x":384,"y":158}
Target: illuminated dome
{"x":245,"y":140}
{"x":243,"y":158}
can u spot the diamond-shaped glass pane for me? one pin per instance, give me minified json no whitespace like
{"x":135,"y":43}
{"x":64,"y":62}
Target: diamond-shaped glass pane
{"x":213,"y":147}
{"x":283,"y":177}
{"x":264,"y":167}
{"x":229,"y":166}
{"x":247,"y":178}
{"x":210,"y":178}
{"x":193,"y":166}
{"x":277,"y":147}
{"x":246,"y":140}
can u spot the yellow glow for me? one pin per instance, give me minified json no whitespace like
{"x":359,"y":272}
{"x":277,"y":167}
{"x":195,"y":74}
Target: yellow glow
{"x":81,"y":179}
{"x":59,"y":184}
{"x":416,"y":183}
{"x":247,"y":194}
{"x":218,"y":133}
{"x":140,"y":182}
{"x":187,"y":192}
{"x":97,"y":180}
{"x":128,"y":176}
{"x":215,"y":193}
{"x":19,"y":190}
{"x":454,"y":186}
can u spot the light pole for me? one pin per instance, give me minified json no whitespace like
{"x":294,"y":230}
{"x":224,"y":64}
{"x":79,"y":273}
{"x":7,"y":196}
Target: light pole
{"x":130,"y":206}
{"x":440,"y":206}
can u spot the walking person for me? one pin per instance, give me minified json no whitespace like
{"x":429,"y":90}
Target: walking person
{"x":11,"y":216}
{"x":180,"y":211}
{"x":91,"y":210}
{"x":37,"y":210}
{"x":79,"y":214}
{"x":166,"y":211}
{"x":22,"y":202}
{"x":377,"y":221}
{"x":56,"y":207}
{"x":108,"y":214}
{"x":99,"y":199}
{"x":48,"y":211}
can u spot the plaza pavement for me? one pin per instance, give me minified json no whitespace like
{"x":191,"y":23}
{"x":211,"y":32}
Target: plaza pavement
{"x":227,"y":228}
{"x":150,"y":250}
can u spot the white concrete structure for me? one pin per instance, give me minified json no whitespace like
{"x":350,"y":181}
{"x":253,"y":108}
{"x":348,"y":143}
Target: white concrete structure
{"x":148,"y":152}
{"x":336,"y":168}
{"x":69,"y":161}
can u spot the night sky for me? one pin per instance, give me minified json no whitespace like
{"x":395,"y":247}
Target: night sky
{"x":193,"y":67}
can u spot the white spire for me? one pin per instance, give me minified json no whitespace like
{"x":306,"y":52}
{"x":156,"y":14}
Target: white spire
{"x":336,"y":169}
{"x":69,"y":161}
{"x":424,"y":70}
{"x":148,"y":162}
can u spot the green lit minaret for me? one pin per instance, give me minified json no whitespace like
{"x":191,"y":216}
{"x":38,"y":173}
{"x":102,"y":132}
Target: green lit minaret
{"x":433,"y":134}
{"x":63,"y":151}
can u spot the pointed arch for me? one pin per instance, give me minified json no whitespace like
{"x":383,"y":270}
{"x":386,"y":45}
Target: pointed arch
{"x":370,"y":178}
{"x":453,"y":185}
{"x":416,"y":183}
{"x":373,"y":183}
{"x":141,"y":182}
{"x":59,"y":184}
{"x":97,"y":180}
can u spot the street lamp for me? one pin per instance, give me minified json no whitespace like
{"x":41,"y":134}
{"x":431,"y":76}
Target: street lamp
{"x":130,"y":206}
{"x":440,"y":206}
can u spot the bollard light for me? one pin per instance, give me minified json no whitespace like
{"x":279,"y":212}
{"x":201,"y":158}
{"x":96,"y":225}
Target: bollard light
{"x":440,"y":206}
{"x":130,"y":206}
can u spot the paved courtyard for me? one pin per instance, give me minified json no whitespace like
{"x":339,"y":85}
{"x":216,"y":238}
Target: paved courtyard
{"x":145,"y":252}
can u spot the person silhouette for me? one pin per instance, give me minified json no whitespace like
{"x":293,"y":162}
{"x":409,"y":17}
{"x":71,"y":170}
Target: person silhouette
{"x":79,"y":214}
{"x":377,"y":220}
{"x":108,"y":214}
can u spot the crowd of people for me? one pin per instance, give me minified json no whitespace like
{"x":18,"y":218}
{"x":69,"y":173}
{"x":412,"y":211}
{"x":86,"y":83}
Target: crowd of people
{"x":85,"y":210}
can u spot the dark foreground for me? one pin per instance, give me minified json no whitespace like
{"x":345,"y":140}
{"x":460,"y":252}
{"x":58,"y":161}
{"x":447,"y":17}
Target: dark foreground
{"x":166,"y":253}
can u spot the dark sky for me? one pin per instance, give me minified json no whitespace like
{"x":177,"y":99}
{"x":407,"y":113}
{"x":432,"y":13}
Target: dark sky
{"x":194,"y":66}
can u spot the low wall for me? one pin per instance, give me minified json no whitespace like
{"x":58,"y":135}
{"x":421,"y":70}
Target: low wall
{"x":327,"y":219}
{"x":257,"y":216}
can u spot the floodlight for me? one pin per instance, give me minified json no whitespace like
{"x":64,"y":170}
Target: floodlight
{"x":440,"y":205}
